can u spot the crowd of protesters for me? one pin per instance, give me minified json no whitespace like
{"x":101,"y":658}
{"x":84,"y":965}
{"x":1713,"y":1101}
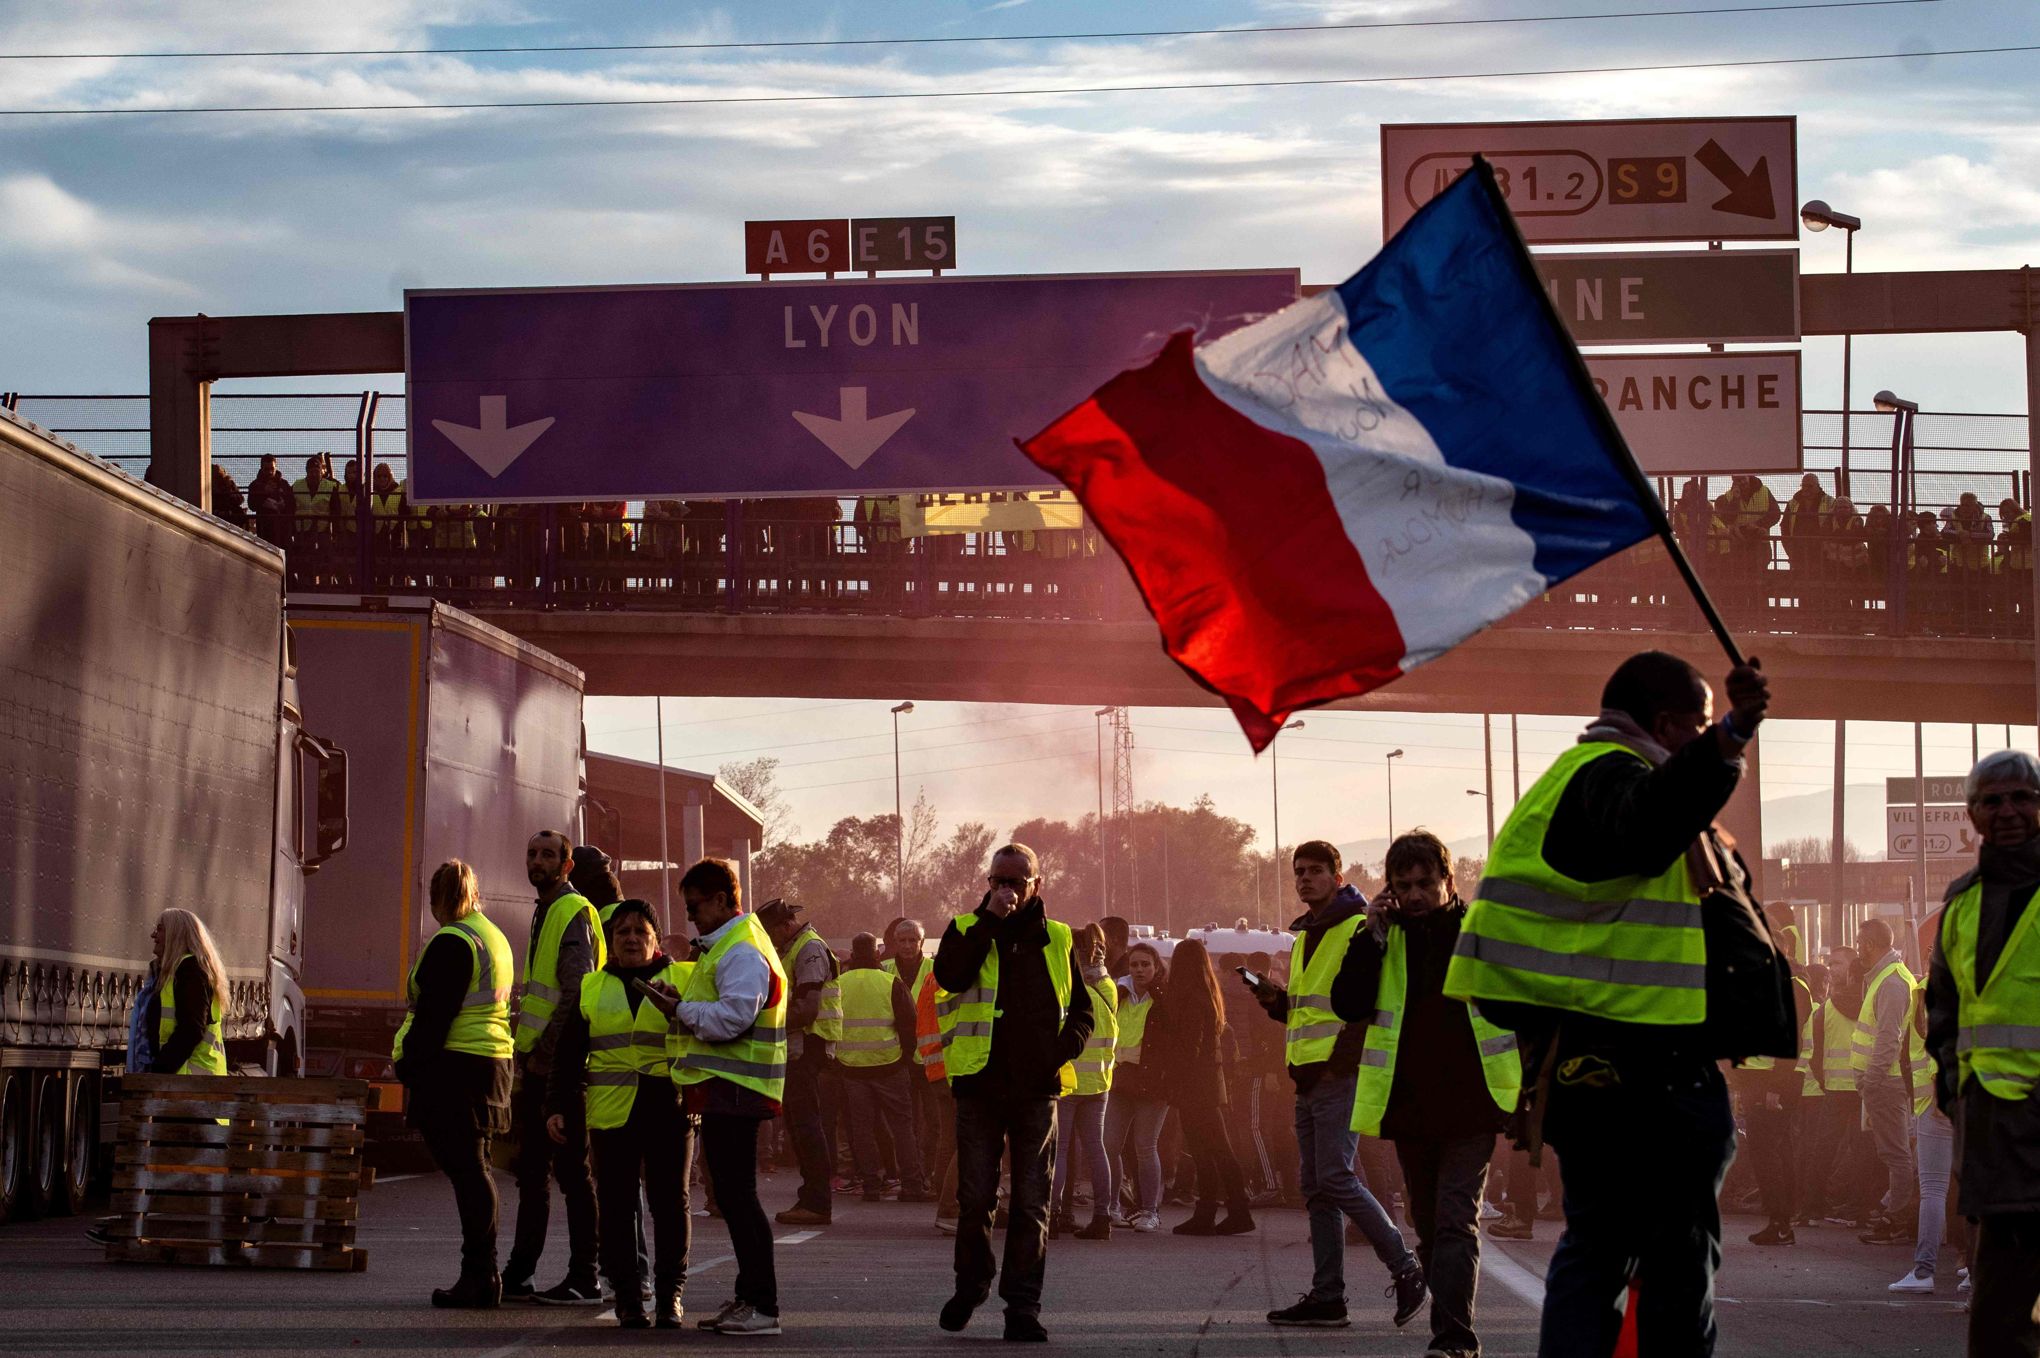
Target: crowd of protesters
{"x":1961,"y":565}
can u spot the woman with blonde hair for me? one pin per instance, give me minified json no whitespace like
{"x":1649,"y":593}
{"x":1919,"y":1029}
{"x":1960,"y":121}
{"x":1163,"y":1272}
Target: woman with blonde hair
{"x":189,"y":1007}
{"x":453,"y":1055}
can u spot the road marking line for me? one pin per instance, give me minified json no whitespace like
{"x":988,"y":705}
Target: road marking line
{"x":395,"y":1178}
{"x":1497,"y":1264}
{"x":524,"y":1342}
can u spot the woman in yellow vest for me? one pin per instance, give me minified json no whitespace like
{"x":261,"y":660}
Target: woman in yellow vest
{"x":613,"y":1058}
{"x":1139,"y":1104}
{"x":186,"y":1014}
{"x":1080,"y":1119}
{"x":1190,"y":1044}
{"x":453,"y":1055}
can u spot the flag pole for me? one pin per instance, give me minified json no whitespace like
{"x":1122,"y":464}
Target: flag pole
{"x":1626,"y":463}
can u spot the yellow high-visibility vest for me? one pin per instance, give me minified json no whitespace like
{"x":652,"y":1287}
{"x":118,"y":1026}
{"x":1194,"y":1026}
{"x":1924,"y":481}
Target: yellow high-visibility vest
{"x":967,"y":1016}
{"x":1838,"y":1034}
{"x":623,"y":1046}
{"x":828,"y":1024}
{"x":1091,"y":1073}
{"x":755,"y":1059}
{"x":209,"y":1057}
{"x":542,"y":966}
{"x":1131,"y":1019}
{"x":1998,"y":1041}
{"x":1627,"y":948}
{"x":1500,"y":1064}
{"x":1312,"y":1029}
{"x":922,"y":968}
{"x":1913,"y":1051}
{"x":482,"y":1027}
{"x":869,"y":1035}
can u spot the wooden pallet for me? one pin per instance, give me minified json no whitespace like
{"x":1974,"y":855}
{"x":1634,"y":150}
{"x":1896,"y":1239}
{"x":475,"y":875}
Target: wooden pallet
{"x":239,"y":1170}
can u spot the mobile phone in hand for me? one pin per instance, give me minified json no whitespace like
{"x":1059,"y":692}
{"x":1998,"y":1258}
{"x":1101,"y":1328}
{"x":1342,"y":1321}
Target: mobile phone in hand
{"x":1254,"y":982}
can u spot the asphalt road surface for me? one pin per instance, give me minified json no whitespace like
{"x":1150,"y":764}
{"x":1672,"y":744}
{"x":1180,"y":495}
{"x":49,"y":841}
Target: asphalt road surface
{"x":873,"y":1281}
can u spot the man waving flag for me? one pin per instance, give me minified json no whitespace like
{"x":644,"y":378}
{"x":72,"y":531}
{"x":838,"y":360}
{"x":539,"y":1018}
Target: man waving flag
{"x":1317,"y":504}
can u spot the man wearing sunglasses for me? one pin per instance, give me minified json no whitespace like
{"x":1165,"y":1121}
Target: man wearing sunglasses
{"x":1013,"y":1010}
{"x":1983,"y":1031}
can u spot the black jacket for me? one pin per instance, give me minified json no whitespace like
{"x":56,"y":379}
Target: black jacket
{"x":2000,"y":1141}
{"x":1028,"y":1047}
{"x":567,"y":1084}
{"x":436,"y":1079}
{"x":1346,"y":1048}
{"x":1621,"y":817}
{"x":1185,"y":1041}
{"x":1439,"y":1090}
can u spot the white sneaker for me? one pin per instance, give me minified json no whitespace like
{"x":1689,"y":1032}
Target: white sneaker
{"x":1147,"y":1221}
{"x":1921,"y":1279}
{"x":1119,"y":1219}
{"x":747,"y":1319}
{"x":1963,"y":1274}
{"x":1490,"y":1212}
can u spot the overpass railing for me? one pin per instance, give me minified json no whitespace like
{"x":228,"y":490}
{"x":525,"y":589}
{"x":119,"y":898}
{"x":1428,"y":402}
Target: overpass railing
{"x":756,"y":557}
{"x":814,"y":555}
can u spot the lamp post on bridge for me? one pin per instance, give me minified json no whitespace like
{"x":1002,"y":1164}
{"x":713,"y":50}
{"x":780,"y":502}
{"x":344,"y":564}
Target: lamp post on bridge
{"x":1388,"y":762}
{"x":899,"y":819}
{"x":1818,"y":216}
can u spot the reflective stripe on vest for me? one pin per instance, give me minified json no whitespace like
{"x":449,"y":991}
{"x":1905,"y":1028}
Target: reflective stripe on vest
{"x":1627,"y":948}
{"x":755,"y":1060}
{"x":621,"y":1045}
{"x":1091,"y":1073}
{"x":967,"y":1016}
{"x":1312,"y":1028}
{"x":1500,"y":1064}
{"x":1997,"y":1042}
{"x":1131,"y":1018}
{"x":542,"y":966}
{"x":870,"y":1037}
{"x":482,"y":1027}
{"x":209,"y":1057}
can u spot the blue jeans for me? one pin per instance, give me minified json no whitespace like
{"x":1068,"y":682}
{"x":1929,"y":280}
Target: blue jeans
{"x":1143,"y":1118}
{"x":1326,"y":1144}
{"x":1936,"y":1155}
{"x":1080,"y":1140}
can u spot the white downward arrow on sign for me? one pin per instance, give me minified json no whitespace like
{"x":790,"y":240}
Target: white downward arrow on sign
{"x":857,"y":435}
{"x":494,"y":443}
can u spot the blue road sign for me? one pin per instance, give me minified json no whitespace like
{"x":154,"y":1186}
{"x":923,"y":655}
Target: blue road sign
{"x":753,"y":390}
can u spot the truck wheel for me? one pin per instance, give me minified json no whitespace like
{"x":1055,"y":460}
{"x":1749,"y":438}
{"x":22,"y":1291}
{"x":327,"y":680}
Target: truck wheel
{"x":14,"y":1150}
{"x":81,"y":1161}
{"x":52,"y":1102}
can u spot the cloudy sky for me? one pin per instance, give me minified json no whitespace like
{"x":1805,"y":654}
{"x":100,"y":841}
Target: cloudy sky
{"x":109,"y":218}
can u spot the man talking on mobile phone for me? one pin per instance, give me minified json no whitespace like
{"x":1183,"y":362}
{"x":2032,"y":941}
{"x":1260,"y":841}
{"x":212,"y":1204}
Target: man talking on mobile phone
{"x":1436,"y":1079}
{"x":1013,"y":1010}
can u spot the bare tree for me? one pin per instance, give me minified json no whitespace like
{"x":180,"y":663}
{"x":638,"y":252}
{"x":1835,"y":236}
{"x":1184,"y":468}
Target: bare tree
{"x":757,"y":782}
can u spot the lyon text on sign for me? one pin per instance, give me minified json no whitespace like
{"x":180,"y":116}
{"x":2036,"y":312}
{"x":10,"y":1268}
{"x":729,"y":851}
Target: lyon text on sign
{"x":1637,"y":180}
{"x":1704,"y":412}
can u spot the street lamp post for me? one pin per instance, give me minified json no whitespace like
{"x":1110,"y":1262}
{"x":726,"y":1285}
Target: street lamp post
{"x":899,"y":818}
{"x":1818,"y":216}
{"x":1275,"y":801}
{"x":1902,"y":412}
{"x":1104,"y":872}
{"x":1389,"y":761}
{"x":1476,"y":792}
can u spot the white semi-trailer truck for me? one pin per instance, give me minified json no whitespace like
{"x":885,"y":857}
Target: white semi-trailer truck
{"x":152,"y":754}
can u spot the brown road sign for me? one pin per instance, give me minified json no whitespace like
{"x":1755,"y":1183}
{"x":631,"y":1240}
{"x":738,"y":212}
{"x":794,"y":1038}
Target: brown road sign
{"x":1704,"y":412}
{"x":1609,"y":182}
{"x":1676,"y":296}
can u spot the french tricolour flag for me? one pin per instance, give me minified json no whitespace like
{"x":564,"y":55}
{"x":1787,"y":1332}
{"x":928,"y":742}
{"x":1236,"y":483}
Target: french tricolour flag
{"x":1317,"y":504}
